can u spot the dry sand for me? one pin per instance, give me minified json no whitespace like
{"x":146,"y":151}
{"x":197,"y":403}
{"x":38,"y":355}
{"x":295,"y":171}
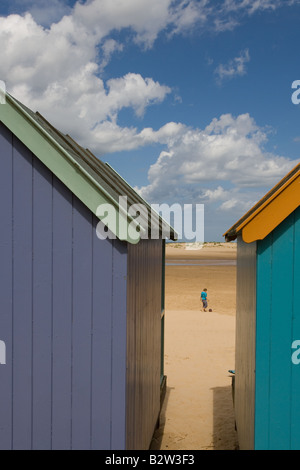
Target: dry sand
{"x":197,"y":413}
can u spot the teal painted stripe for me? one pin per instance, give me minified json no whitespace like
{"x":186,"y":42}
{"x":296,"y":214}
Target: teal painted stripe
{"x":263,"y":343}
{"x":277,"y":411}
{"x":281,"y":328}
{"x":295,"y":383}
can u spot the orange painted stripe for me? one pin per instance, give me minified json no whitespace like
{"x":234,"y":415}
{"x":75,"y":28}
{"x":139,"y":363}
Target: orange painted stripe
{"x":272,"y":212}
{"x":268,"y":201}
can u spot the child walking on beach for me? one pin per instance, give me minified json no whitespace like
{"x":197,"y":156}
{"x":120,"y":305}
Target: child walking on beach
{"x":204,"y":299}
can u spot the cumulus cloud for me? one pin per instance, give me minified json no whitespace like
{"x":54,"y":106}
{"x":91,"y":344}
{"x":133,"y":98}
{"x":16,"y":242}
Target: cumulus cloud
{"x":110,"y":137}
{"x":95,"y":106}
{"x":56,"y":69}
{"x":224,"y":166}
{"x":224,"y":163}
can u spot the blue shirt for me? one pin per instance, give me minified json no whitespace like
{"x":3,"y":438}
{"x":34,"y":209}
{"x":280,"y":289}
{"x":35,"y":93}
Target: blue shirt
{"x":203,"y":295}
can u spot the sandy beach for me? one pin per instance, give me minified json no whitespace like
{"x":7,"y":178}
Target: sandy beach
{"x":197,"y":412}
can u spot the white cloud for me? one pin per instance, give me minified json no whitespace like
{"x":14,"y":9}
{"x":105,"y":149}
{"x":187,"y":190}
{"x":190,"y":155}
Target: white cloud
{"x":44,"y":12}
{"x":232,"y":10}
{"x":234,"y":68}
{"x":218,"y":194}
{"x":251,"y":6}
{"x":95,"y":106}
{"x":189,"y":13}
{"x":109,"y":137}
{"x":108,"y":48}
{"x":146,"y":19}
{"x":56,"y":69}
{"x":225,"y":163}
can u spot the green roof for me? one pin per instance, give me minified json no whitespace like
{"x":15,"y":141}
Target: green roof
{"x":91,"y":180}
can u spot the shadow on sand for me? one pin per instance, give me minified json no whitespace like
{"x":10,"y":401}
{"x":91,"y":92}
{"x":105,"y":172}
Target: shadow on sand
{"x":224,"y":432}
{"x":159,"y":432}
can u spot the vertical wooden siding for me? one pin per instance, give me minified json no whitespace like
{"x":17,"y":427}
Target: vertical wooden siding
{"x":143,"y":342}
{"x":278,"y":325}
{"x":245,"y":344}
{"x":62,"y":314}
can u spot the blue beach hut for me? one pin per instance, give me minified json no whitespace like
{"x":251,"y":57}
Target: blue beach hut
{"x":267,"y":368}
{"x":81,"y":318}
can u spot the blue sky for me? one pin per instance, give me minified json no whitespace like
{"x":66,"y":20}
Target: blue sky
{"x":189,"y":100}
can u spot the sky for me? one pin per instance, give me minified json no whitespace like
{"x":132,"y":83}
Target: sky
{"x":191,"y":101}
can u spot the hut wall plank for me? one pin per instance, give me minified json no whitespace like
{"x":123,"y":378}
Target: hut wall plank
{"x":82,"y":321}
{"x":263,"y":342}
{"x":281,"y":340}
{"x":22,"y":295}
{"x":6,"y":286}
{"x":101,"y":342}
{"x":143,"y":342}
{"x":245,"y":344}
{"x":42,"y":306}
{"x":62,"y":316}
{"x":119,"y":321}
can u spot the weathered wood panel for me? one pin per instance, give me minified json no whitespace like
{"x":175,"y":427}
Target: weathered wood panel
{"x":62,"y":315}
{"x":245,"y":344}
{"x":143,"y":342}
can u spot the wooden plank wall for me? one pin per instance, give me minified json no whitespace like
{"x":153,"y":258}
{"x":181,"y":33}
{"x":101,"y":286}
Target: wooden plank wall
{"x":62,"y":314}
{"x":245,"y":344}
{"x":143,"y":342}
{"x":278,"y":325}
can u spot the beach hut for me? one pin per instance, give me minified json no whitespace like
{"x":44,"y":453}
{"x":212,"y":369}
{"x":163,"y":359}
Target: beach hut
{"x":81,"y":313}
{"x":267,"y":368}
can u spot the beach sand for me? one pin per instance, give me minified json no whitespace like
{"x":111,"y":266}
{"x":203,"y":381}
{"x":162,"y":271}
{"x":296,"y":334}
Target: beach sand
{"x":197,"y":412}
